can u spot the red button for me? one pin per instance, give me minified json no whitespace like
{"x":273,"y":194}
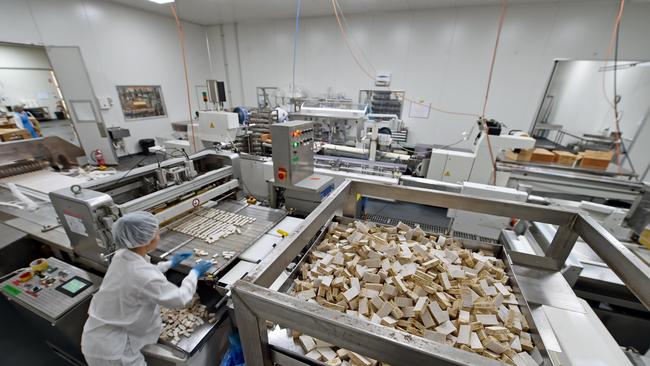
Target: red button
{"x":282,"y":173}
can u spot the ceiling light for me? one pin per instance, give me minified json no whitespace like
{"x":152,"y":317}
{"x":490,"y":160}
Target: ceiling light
{"x":162,"y":1}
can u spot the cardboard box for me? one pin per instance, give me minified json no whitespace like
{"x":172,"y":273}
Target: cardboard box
{"x":11,"y":123}
{"x":542,"y":156}
{"x":522,"y":155}
{"x":644,"y":238}
{"x":565,"y":158}
{"x":591,"y":159}
{"x":525,"y":154}
{"x":12,"y":134}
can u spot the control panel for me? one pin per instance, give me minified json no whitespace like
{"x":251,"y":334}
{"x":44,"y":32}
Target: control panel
{"x":50,"y":287}
{"x":293,"y":154}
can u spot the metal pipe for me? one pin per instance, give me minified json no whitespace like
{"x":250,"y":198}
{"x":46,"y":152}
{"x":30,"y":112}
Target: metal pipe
{"x":466,"y":203}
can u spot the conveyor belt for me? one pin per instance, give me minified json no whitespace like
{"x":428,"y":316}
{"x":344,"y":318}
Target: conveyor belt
{"x":265,"y":219}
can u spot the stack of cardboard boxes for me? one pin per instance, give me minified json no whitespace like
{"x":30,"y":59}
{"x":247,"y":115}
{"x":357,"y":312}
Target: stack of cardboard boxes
{"x":9,"y":130}
{"x":589,"y":159}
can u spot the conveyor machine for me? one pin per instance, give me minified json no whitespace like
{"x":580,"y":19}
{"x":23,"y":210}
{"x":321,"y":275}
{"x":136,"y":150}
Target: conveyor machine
{"x":169,"y":190}
{"x":193,"y":197}
{"x":175,"y":191}
{"x":564,"y":328}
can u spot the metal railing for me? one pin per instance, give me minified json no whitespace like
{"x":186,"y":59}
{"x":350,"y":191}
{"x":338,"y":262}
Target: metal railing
{"x":255,"y":303}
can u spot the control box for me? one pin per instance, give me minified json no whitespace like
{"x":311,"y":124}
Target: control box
{"x":52,"y":290}
{"x":293,"y":154}
{"x":218,"y":126}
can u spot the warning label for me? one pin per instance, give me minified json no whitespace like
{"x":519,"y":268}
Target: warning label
{"x":76,"y":225}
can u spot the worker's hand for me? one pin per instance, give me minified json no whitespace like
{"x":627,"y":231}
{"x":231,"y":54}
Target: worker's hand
{"x":202,"y":267}
{"x":179,"y":257}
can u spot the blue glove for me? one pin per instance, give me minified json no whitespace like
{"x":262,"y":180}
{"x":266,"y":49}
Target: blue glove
{"x":202,"y":267}
{"x":179,"y":257}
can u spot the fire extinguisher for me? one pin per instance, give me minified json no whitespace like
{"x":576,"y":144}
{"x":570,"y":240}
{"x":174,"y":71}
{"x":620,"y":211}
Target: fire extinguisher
{"x":98,"y":156}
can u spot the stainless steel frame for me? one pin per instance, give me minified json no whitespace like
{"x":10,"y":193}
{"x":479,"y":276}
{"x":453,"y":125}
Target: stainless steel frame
{"x":255,"y":303}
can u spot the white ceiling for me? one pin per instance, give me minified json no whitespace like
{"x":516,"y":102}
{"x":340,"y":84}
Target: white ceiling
{"x":211,"y":12}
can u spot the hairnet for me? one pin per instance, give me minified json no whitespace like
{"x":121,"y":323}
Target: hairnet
{"x":135,"y":229}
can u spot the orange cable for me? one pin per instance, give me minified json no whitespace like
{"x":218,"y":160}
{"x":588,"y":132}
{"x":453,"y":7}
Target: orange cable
{"x":612,"y":103}
{"x":504,"y":7}
{"x":347,"y":43}
{"x":181,"y":37}
{"x":363,"y":54}
{"x":610,"y":49}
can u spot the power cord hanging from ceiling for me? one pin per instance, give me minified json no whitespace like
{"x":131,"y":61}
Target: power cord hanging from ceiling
{"x":620,"y":145}
{"x":181,"y":37}
{"x":483,"y":120}
{"x":295,"y":49}
{"x":363,"y":53}
{"x":337,"y":8}
{"x":610,"y":50}
{"x":613,"y":103}
{"x":504,"y":4}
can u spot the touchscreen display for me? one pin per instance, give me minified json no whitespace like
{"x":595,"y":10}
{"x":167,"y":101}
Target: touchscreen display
{"x":74,"y":286}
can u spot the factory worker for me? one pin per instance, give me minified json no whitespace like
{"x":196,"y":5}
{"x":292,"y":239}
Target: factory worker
{"x":22,"y":121}
{"x":124,"y":315}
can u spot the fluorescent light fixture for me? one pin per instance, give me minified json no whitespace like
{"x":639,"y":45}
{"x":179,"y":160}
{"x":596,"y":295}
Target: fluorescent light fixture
{"x":162,"y":1}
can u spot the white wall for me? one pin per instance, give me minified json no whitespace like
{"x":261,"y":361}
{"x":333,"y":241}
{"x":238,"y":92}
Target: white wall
{"x":120,"y":46}
{"x":32,"y":88}
{"x":25,"y":78}
{"x":441,"y":56}
{"x":23,"y":57}
{"x":579,"y":101}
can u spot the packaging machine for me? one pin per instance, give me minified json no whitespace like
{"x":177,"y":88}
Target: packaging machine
{"x":335,"y":122}
{"x":567,"y":328}
{"x":197,"y":201}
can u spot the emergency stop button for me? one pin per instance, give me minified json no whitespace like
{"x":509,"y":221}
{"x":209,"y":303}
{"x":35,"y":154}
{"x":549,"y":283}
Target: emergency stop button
{"x":282,"y":174}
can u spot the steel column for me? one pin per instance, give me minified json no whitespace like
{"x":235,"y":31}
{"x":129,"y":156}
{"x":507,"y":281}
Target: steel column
{"x":634,"y":272}
{"x":562,"y":244}
{"x":252,"y":333}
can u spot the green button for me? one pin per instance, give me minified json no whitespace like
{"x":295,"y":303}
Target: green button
{"x":11,"y":290}
{"x":295,"y":159}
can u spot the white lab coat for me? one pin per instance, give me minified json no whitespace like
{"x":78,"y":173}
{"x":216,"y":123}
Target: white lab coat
{"x":124,"y":315}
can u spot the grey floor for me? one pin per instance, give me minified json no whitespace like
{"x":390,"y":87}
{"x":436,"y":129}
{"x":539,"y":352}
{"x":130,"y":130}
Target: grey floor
{"x":65,"y":130}
{"x":18,"y":346}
